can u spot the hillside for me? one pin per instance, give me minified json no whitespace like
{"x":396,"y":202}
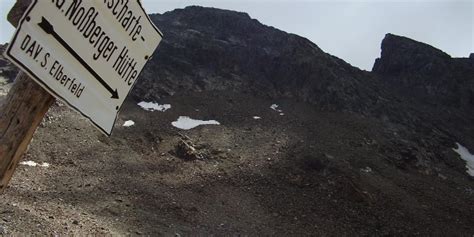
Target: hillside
{"x":212,"y":49}
{"x":306,"y":143}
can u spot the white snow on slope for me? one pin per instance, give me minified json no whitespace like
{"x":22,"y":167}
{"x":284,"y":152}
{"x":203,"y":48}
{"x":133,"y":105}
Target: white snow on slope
{"x":257,"y":117}
{"x":275,"y":107}
{"x":150,"y":106}
{"x":186,"y":123}
{"x":467,"y":156}
{"x":128,"y":123}
{"x":34,"y":164}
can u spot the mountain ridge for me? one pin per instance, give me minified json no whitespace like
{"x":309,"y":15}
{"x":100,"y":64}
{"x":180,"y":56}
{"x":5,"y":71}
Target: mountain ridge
{"x":246,"y":55}
{"x":306,"y":144}
{"x":207,"y":49}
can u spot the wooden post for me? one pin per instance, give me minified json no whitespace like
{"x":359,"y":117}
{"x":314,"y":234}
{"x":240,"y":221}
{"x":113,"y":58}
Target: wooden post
{"x":20,"y":113}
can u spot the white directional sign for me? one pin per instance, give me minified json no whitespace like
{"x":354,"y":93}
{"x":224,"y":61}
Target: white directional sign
{"x":87,"y":53}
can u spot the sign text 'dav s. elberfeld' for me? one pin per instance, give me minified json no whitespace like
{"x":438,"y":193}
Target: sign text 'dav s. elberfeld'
{"x":87,"y":53}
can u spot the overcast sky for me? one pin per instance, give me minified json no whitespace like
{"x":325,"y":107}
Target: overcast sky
{"x":349,"y":29}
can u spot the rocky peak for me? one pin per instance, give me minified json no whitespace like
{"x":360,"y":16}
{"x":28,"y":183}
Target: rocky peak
{"x":207,"y":16}
{"x":214,"y":49}
{"x":425,"y":72}
{"x":401,"y":55}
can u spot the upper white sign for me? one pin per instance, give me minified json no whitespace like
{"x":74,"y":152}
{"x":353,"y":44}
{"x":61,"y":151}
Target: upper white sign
{"x":87,"y":53}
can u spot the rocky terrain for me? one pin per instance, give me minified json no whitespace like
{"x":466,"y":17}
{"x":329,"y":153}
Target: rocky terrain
{"x":347,"y":152}
{"x":7,"y":72}
{"x":412,"y":84}
{"x":7,"y":69}
{"x":212,"y":49}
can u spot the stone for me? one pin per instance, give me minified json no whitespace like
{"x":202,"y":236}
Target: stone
{"x":186,"y":150}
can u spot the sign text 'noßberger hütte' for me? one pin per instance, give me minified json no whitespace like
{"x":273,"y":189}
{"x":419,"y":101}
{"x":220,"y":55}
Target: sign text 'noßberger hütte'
{"x":87,"y":53}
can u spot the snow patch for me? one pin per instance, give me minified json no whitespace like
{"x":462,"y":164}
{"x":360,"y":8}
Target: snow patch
{"x":186,"y":123}
{"x":150,"y":106}
{"x":275,"y":107}
{"x":467,"y":156}
{"x":34,"y":164}
{"x":128,"y":123}
{"x":257,"y":117}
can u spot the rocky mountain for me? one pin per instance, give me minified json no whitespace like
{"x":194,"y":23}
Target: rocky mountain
{"x":432,"y":89}
{"x":213,"y":49}
{"x":426,"y":72}
{"x":208,"y":49}
{"x":347,"y":152}
{"x":412,"y":83}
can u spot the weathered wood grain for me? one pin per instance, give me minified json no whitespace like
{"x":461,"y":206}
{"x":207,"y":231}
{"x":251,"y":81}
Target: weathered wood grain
{"x":20,"y":113}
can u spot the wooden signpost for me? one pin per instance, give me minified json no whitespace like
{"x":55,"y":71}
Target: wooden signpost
{"x":87,"y":54}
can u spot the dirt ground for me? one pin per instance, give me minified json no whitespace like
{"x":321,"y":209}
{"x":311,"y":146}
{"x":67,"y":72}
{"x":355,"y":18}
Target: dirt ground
{"x":302,"y":173}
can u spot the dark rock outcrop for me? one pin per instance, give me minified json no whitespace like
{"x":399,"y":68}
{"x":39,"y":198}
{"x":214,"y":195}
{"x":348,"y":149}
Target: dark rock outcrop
{"x":412,"y":84}
{"x":425,"y":72}
{"x":213,"y":49}
{"x":402,"y":56}
{"x":436,"y":91}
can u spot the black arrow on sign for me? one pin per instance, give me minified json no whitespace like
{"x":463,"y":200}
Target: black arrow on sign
{"x":49,"y":29}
